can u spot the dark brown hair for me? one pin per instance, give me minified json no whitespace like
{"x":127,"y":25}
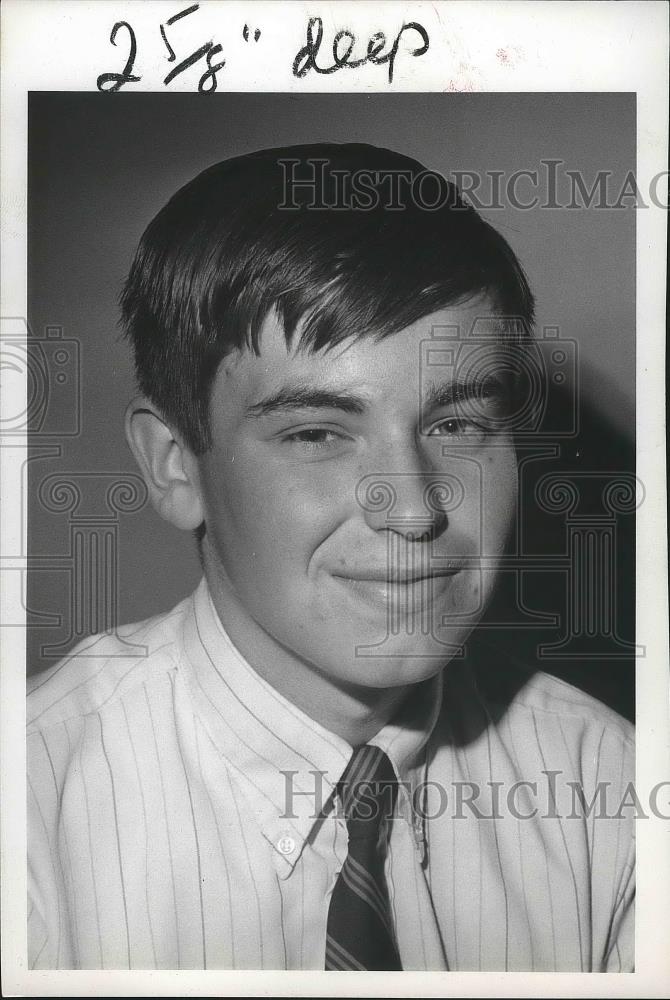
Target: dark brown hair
{"x":273,"y":230}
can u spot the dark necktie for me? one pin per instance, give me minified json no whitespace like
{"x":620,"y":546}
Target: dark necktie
{"x":360,"y":929}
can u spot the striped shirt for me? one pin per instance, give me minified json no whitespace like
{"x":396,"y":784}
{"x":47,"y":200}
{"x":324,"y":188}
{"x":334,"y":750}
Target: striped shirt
{"x":181,"y":814}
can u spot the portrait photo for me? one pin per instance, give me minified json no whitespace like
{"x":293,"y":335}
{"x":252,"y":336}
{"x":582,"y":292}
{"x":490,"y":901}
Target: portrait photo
{"x":564,"y":593}
{"x":333,"y":499}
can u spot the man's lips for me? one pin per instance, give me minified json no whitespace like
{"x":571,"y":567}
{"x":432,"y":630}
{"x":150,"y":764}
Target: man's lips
{"x":389,"y":575}
{"x":408,"y":593}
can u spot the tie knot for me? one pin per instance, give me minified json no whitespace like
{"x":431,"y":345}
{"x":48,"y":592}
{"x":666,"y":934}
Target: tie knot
{"x":367,"y":790}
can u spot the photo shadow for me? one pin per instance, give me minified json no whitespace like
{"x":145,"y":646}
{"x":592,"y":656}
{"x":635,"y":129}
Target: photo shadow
{"x":568,"y":605}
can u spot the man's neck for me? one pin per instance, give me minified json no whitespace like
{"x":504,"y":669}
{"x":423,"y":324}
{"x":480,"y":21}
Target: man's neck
{"x":353,"y":712}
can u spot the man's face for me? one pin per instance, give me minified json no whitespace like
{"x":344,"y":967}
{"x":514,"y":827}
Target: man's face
{"x":356,"y":500}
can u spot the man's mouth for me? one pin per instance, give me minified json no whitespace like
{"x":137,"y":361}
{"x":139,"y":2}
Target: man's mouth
{"x":390,"y":575}
{"x":406,"y":592}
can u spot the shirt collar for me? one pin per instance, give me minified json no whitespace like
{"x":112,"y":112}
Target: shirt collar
{"x":286,"y":763}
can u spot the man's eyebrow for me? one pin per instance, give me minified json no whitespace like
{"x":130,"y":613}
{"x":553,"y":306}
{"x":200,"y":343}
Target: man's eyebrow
{"x":308,"y":397}
{"x":460,"y":390}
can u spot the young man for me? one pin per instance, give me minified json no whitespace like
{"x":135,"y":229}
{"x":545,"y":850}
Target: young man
{"x":327,"y":368}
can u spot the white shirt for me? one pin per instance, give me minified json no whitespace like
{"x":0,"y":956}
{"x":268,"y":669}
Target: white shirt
{"x":174,"y":795}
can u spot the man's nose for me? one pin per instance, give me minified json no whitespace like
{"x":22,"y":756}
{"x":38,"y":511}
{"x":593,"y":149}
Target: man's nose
{"x":411,"y":499}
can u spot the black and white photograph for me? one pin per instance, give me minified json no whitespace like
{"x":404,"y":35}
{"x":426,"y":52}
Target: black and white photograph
{"x":334,"y":495}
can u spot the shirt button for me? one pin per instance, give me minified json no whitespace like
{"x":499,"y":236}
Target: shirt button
{"x":286,"y":845}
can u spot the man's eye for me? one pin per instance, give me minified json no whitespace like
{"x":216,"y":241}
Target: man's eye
{"x":455,"y":427}
{"x":314,"y":438}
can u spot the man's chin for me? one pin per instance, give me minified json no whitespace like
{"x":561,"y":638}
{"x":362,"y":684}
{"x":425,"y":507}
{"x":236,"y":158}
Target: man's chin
{"x":393,"y":663}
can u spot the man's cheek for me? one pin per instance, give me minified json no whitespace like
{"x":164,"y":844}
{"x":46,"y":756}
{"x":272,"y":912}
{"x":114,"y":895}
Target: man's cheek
{"x":243,"y":504}
{"x":499,"y":501}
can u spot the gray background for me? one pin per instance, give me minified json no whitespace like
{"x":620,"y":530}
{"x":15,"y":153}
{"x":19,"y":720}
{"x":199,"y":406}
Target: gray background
{"x":100,"y":167}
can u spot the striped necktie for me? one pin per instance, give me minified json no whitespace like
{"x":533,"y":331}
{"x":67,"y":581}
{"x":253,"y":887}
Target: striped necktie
{"x":360,"y":929}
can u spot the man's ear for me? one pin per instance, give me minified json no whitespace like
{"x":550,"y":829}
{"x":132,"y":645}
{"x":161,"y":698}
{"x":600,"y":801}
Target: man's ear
{"x":168,"y":466}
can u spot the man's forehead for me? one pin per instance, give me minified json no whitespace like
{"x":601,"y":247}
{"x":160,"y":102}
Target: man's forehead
{"x":429,"y":353}
{"x":282,"y":392}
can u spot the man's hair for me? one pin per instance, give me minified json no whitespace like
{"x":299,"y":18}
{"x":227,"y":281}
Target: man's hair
{"x":246,"y":237}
